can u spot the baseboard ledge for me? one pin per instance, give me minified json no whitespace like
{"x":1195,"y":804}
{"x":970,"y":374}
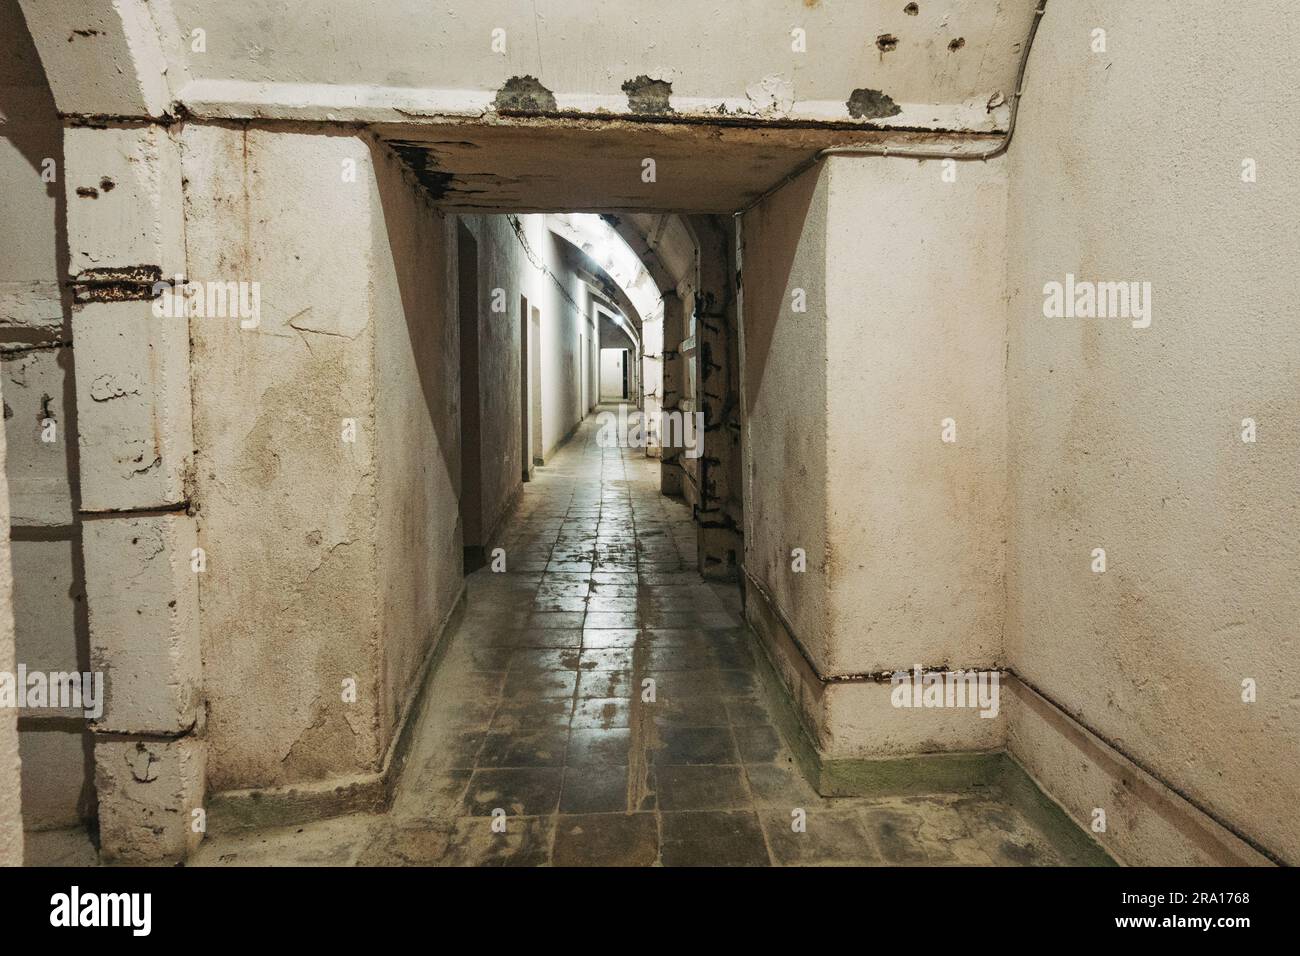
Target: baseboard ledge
{"x":985,"y":772}
{"x":289,"y":805}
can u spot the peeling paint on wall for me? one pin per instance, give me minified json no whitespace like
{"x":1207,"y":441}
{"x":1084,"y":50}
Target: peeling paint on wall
{"x":770,"y":95}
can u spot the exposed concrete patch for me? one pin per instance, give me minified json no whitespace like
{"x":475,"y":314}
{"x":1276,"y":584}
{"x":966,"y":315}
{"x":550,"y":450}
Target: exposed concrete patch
{"x":648,"y":95}
{"x":524,"y":93}
{"x":871,"y":104}
{"x":116,"y":283}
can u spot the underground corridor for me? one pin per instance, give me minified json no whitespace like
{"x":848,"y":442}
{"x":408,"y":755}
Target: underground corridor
{"x":602,"y":700}
{"x":624,"y":455}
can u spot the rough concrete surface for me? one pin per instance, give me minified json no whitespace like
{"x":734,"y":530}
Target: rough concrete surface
{"x":148,"y":791}
{"x":915,"y":330}
{"x":784,"y":355}
{"x":445,"y":58}
{"x":1130,"y":439}
{"x":144,"y":628}
{"x":285,"y":506}
{"x":11,"y":820}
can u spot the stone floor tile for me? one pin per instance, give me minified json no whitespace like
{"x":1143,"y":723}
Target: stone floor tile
{"x":712,"y":838}
{"x":606,"y":839}
{"x":695,"y":787}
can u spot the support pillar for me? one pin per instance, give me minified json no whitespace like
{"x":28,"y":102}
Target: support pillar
{"x":875,"y":443}
{"x":125,"y":235}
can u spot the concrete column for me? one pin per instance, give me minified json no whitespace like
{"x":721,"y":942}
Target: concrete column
{"x":874,"y":319}
{"x":286,"y":432}
{"x":330,"y":426}
{"x":125,"y":235}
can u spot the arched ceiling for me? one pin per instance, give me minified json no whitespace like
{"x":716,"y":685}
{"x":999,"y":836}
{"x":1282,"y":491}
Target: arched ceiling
{"x":604,"y":290}
{"x":623,"y":273}
{"x":614,"y":257}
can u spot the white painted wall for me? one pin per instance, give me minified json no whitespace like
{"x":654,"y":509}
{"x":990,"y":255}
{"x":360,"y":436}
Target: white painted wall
{"x":1127,"y":166}
{"x":526,"y":262}
{"x":915,"y":334}
{"x":568,"y":300}
{"x":416,"y":366}
{"x":286,"y":509}
{"x":356,"y":326}
{"x":439,"y":57}
{"x":784,"y":355}
{"x":901,"y":277}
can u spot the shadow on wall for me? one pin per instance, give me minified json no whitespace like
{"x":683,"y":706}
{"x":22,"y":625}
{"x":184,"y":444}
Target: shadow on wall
{"x":33,"y":128}
{"x":418,"y":409}
{"x":776,"y":273}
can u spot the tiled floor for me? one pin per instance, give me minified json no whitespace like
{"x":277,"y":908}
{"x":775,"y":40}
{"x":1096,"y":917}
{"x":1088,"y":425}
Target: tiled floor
{"x":599,"y":705}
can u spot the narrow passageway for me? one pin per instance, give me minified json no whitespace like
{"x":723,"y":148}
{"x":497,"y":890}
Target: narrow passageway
{"x":600,"y":704}
{"x":957,"y":528}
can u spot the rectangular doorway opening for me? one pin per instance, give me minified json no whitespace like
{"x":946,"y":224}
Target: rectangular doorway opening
{"x":613,"y":375}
